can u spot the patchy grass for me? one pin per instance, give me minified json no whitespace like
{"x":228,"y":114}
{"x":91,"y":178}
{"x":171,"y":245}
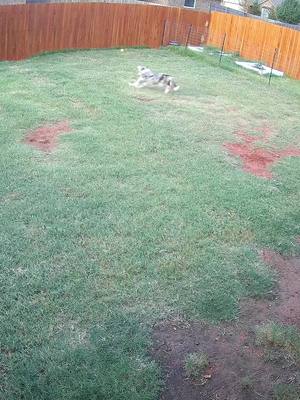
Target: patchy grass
{"x":286,"y":338}
{"x":195,"y":364}
{"x":139,"y":214}
{"x":286,"y":392}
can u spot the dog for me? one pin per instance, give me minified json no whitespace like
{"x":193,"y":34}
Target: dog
{"x":146,"y":77}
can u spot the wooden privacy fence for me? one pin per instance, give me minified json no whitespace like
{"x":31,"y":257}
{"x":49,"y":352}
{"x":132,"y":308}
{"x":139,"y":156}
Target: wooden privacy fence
{"x":30,"y":29}
{"x":257,"y":40}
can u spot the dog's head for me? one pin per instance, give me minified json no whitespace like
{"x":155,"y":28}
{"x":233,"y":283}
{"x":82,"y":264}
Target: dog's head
{"x":141,"y":68}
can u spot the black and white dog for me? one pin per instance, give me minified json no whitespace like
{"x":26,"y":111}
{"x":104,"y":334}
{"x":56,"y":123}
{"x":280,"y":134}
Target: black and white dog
{"x":146,"y":77}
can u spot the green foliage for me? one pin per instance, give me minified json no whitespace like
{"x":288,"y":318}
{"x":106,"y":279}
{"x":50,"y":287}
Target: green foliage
{"x":195,"y":364}
{"x":273,"y":14}
{"x":289,"y":11}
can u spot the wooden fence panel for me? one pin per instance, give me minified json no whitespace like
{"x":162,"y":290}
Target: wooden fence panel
{"x":30,"y":29}
{"x":256,"y":40}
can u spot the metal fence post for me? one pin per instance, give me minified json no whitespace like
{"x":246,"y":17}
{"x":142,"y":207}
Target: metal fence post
{"x":163,"y":34}
{"x":188,"y":36}
{"x":222,"y":49}
{"x":273,"y":62}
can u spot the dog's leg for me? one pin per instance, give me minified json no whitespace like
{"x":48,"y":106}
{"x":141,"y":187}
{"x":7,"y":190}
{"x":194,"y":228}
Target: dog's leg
{"x":140,"y":83}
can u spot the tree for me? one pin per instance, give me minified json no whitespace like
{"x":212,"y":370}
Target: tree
{"x":289,"y":11}
{"x":273,"y":14}
{"x":250,"y":6}
{"x":255,"y":8}
{"x":246,"y":4}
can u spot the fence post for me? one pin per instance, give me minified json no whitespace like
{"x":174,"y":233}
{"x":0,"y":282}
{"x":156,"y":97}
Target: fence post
{"x":222,"y":49}
{"x":272,"y":66}
{"x":163,"y":34}
{"x":188,"y":36}
{"x":206,"y":31}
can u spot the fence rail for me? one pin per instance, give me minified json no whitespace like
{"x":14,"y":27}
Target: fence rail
{"x":30,"y":29}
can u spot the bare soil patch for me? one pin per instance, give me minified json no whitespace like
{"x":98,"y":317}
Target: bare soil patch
{"x":286,"y":308}
{"x":258,"y":160}
{"x":238,"y":369}
{"x":45,"y":137}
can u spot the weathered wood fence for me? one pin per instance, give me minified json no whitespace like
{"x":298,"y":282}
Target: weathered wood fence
{"x":30,"y":29}
{"x":26,"y":30}
{"x":257,"y":40}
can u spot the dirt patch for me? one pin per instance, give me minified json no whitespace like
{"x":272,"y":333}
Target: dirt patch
{"x":258,"y":160}
{"x":239,"y":369}
{"x":286,"y":308}
{"x":45,"y":137}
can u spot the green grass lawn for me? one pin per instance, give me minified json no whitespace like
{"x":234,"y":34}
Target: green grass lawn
{"x":138,"y":215}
